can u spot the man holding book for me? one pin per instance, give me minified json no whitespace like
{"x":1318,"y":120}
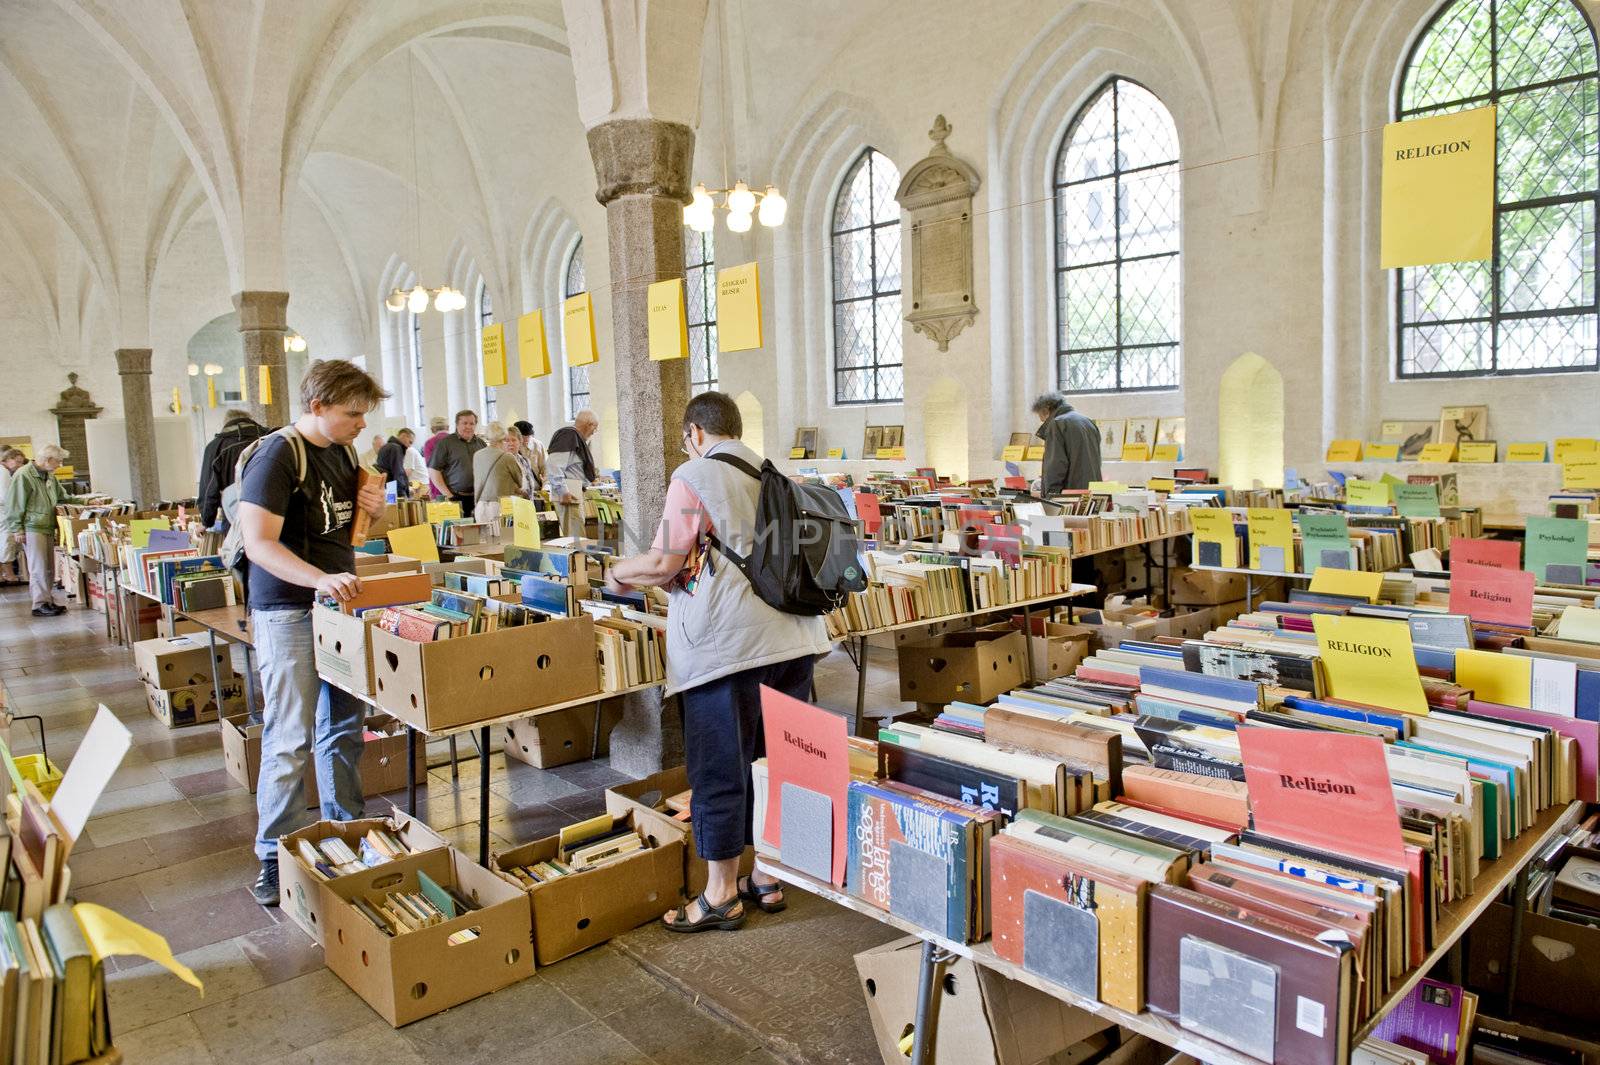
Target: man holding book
{"x":572,"y":469}
{"x":723,"y":643}
{"x":297,"y":508}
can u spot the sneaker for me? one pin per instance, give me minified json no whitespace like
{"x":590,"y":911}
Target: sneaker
{"x":43,"y":612}
{"x":266,"y":885}
{"x":56,"y":608}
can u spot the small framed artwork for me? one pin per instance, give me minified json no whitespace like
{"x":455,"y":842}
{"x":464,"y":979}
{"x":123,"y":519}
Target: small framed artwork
{"x":893,"y":436}
{"x":1411,"y":436}
{"x":1111,"y":439}
{"x":872,"y":440}
{"x":1140,"y":431}
{"x":806,"y":438}
{"x":1463,"y":423}
{"x":1170,"y":431}
{"x":1021,"y":439}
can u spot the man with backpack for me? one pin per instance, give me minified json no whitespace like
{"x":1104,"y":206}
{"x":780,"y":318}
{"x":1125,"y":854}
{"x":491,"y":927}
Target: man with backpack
{"x":239,"y":431}
{"x":724,"y":641}
{"x":294,"y":507}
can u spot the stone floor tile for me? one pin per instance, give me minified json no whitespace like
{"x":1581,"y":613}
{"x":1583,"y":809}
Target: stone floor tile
{"x":272,"y":1022}
{"x":145,"y":821}
{"x":139,"y":796}
{"x":172,"y":1042}
{"x":372,"y":1042}
{"x":282,"y":951}
{"x":209,"y":782}
{"x":673,"y":1031}
{"x":224,"y":804}
{"x":101,"y":864}
{"x":149,"y":994}
{"x":195,"y":841}
{"x":584,"y":804}
{"x":601,"y":980}
{"x":173,"y":886}
{"x":497,"y":1028}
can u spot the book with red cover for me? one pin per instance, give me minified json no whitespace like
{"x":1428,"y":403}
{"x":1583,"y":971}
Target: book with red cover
{"x":412,"y":625}
{"x":1225,"y":802}
{"x":1250,"y":982}
{"x":1491,"y":594}
{"x":870,"y":511}
{"x":809,"y":748}
{"x":1585,"y":733}
{"x":1499,"y":554}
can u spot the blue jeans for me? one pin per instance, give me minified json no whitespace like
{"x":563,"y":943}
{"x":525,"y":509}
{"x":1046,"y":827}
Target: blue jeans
{"x":722,"y":735}
{"x":301,"y":710}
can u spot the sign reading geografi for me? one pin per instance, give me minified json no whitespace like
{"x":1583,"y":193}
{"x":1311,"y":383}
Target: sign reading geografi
{"x":1438,"y":189}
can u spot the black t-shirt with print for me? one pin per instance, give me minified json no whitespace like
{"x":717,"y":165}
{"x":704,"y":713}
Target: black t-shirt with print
{"x":316,"y":522}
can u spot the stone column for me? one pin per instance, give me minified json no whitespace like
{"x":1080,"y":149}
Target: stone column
{"x":263,"y":321}
{"x":642,"y":168}
{"x":133,"y":365}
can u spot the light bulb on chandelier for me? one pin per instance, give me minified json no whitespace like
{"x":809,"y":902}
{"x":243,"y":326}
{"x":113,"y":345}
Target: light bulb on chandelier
{"x":417,"y":301}
{"x":739,"y":221}
{"x":742,"y":204}
{"x":773,"y":208}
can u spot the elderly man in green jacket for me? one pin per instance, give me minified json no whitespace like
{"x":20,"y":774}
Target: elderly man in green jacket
{"x":29,"y":518}
{"x":1071,"y":445}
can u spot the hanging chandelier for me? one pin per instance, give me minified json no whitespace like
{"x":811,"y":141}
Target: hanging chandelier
{"x":416,"y":300}
{"x":741,"y":202}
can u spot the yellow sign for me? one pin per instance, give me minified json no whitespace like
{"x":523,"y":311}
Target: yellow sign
{"x":1382,"y":452}
{"x":668,"y":322}
{"x":1581,"y":473}
{"x":211,"y":392}
{"x":494,"y":355}
{"x":533,"y":353}
{"x":1525,"y":452}
{"x":1135,"y":452}
{"x":797,"y":452}
{"x":1370,"y":660}
{"x":1357,"y":582}
{"x":836,"y":452}
{"x":1271,"y":538}
{"x":1034,"y":453}
{"x":244,"y":384}
{"x":139,"y":530}
{"x":1476,"y":451}
{"x":264,"y":383}
{"x":1438,"y":189}
{"x":1344,"y":451}
{"x":1438,"y":453}
{"x":415,"y":541}
{"x":739,"y":309}
{"x":1496,"y":678}
{"x":1013,"y":453}
{"x":577,"y":330}
{"x":883,"y":452}
{"x":1366,"y":493}
{"x":1161,"y":484}
{"x":1106,"y":488}
{"x":441,"y":510}
{"x":108,"y":932}
{"x":176,"y":408}
{"x":1213,"y":525}
{"x":1165,"y":453}
{"x":1570,"y":446}
{"x":524,"y":522}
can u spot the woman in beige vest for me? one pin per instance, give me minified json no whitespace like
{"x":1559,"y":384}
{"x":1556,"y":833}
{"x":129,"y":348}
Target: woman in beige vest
{"x":495,"y":473}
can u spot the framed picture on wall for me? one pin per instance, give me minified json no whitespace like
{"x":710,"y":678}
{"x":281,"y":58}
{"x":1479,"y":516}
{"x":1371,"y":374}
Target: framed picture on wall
{"x":872,"y":441}
{"x":894,"y":436}
{"x":1020,"y":439}
{"x":1140,"y":431}
{"x":1411,"y":436}
{"x":1111,"y":439}
{"x":806,"y":437}
{"x":1463,"y":423}
{"x":1170,"y":431}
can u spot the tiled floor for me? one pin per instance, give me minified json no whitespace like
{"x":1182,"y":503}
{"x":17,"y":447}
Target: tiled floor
{"x":169,"y":846}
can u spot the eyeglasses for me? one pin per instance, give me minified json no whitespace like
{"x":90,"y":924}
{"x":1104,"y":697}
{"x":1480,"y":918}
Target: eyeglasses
{"x":685,"y":445}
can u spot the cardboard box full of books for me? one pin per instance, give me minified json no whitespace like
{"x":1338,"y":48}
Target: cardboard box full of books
{"x":465,"y":679}
{"x":582,"y":908}
{"x":451,"y":931}
{"x":197,"y":703}
{"x":180,"y":662}
{"x":299,"y":881}
{"x":1191,"y":587}
{"x":649,"y":800}
{"x":983,"y":1018}
{"x":1057,"y":648}
{"x":974,"y":666}
{"x":383,"y":756}
{"x":561,"y":738}
{"x":1121,"y":620}
{"x":343,"y":651}
{"x":372,"y":565}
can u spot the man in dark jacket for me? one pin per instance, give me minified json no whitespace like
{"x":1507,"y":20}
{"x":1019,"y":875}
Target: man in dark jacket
{"x":1071,"y":445}
{"x":391,"y":462}
{"x":239,"y":430}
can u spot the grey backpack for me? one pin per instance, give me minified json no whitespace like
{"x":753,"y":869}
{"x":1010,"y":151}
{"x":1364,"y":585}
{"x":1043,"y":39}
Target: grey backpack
{"x":232,"y":550}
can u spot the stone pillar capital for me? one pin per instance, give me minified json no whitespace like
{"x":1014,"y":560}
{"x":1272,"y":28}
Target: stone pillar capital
{"x":642,"y":156}
{"x":262,"y":310}
{"x":133,"y":361}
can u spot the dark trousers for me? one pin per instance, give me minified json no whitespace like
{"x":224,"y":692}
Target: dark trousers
{"x":722,"y":735}
{"x":467,"y":503}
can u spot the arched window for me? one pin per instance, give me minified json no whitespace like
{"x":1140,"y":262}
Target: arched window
{"x":572,"y":283}
{"x":868,"y":362}
{"x":485,"y":317}
{"x":700,"y":301}
{"x":1117,"y":215}
{"x":1532,"y":306}
{"x":416,"y":367}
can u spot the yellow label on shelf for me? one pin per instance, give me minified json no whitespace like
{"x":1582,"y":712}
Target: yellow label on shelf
{"x":1034,"y":453}
{"x":797,"y":452}
{"x":1166,"y":453}
{"x":668,"y":323}
{"x":1135,"y":452}
{"x":533,"y":351}
{"x":577,"y":330}
{"x":1271,"y":538}
{"x":1013,"y":453}
{"x":1438,"y":452}
{"x":1382,"y":452}
{"x":836,"y":452}
{"x":891,"y":452}
{"x":1347,"y":582}
{"x":494,"y":355}
{"x":739,"y":308}
{"x":1476,"y":451}
{"x":1215,"y":525}
{"x":1570,"y":446}
{"x":440,"y":510}
{"x":1366,"y":493}
{"x":1525,"y":452}
{"x":1161,"y":484}
{"x":524,"y":522}
{"x":1370,"y":660}
{"x":415,"y":541}
{"x":1344,"y":451}
{"x":1108,"y":488}
{"x":1581,"y":473}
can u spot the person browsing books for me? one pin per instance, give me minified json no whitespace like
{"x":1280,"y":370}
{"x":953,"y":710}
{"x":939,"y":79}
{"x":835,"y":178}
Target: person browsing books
{"x":723,"y":644}
{"x":11,"y":460}
{"x":297,"y":502}
{"x":391,"y":462}
{"x":572,"y":469}
{"x":495,"y":473}
{"x":29,"y":515}
{"x":450,"y":467}
{"x":1071,"y":445}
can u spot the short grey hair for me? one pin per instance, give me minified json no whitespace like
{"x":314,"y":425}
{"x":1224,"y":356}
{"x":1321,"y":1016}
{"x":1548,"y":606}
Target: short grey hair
{"x":53,"y":451}
{"x":1048,"y":403}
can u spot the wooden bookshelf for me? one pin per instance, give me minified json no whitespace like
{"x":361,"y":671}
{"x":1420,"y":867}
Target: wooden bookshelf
{"x":1454,"y":920}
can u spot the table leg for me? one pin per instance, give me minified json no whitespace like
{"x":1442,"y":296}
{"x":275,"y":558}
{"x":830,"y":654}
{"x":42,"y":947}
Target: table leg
{"x":1149,"y":585}
{"x":925,"y":1033}
{"x":861,"y":686}
{"x":483,"y":797}
{"x":1249,"y":593}
{"x":1519,"y":906}
{"x":1166,"y":570}
{"x":216,"y":681}
{"x":455,"y":767}
{"x":1027,"y":642}
{"x":250,"y":685}
{"x":594,"y":749}
{"x":411,"y":772}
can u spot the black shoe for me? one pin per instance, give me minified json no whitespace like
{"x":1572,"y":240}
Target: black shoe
{"x":57,"y":608}
{"x":44,"y":612}
{"x":266,"y":885}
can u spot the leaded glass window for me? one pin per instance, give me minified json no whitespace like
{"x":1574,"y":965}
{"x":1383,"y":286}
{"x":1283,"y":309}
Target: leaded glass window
{"x":1116,"y":228}
{"x":485,"y":318}
{"x":572,"y":283}
{"x":1532,"y":307}
{"x":868,"y":363}
{"x":700,"y":304}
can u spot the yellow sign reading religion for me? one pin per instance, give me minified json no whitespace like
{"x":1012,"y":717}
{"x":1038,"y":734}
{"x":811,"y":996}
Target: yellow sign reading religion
{"x":1438,"y":189}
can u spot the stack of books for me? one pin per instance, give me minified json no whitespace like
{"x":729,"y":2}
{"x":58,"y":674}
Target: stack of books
{"x":332,"y":856}
{"x":587,"y":845}
{"x":396,"y":912}
{"x":632,"y":646}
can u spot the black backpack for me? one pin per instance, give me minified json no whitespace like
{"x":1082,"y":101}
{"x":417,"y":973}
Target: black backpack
{"x":806,"y":558}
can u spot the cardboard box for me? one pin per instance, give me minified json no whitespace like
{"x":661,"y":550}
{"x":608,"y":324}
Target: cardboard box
{"x":1557,"y":973}
{"x":170,"y":626}
{"x":574,"y":913}
{"x":1587,"y":1047}
{"x":645,"y":798}
{"x":372,"y":565}
{"x":1226,"y":612}
{"x":1192,"y":587}
{"x":383,"y":756}
{"x":545,"y":741}
{"x":459,"y":681}
{"x":984,"y":1018}
{"x":180,"y":662}
{"x":1121,"y":620}
{"x":1057,"y":648}
{"x":1191,"y":623}
{"x":437,"y":570}
{"x":975,"y":666}
{"x":419,"y":973}
{"x":342,"y":650}
{"x":298,"y":885}
{"x":195,"y":704}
